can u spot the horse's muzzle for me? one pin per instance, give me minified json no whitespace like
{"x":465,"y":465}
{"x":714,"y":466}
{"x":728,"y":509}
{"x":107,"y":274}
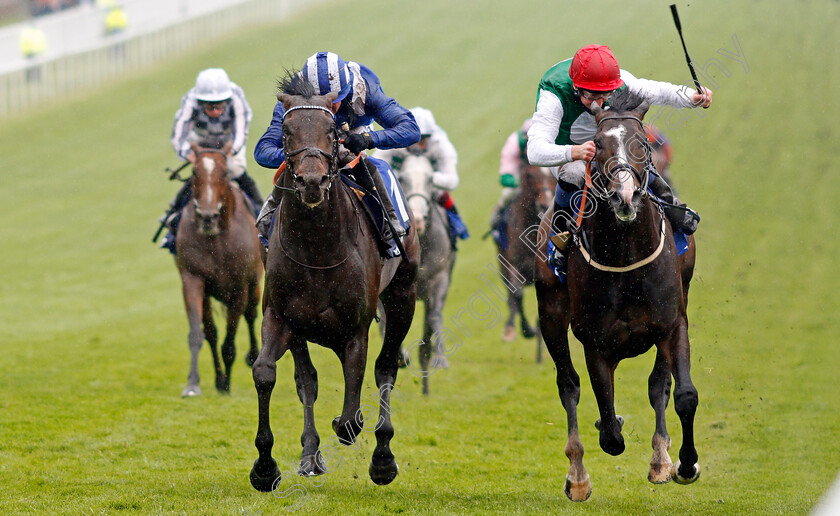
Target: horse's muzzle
{"x":625,"y":211}
{"x":207,"y":221}
{"x":312,"y":190}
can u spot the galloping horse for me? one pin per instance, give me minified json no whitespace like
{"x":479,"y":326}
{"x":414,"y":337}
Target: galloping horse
{"x":218,"y":256}
{"x":323,"y":277}
{"x":536,"y":196}
{"x":627,"y":291}
{"x":437,"y":257}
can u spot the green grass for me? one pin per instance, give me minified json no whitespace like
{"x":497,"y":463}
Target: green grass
{"x":93,"y":333}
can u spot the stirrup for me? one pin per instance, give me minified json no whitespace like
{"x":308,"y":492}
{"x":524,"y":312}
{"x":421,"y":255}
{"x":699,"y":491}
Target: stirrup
{"x":561,"y":240}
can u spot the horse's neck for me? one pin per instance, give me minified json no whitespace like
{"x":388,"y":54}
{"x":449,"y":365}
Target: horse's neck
{"x":608,"y":239}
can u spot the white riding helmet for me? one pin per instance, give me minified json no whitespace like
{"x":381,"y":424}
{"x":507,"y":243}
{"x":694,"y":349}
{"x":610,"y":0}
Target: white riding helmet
{"x":425,"y":120}
{"x":213,"y":85}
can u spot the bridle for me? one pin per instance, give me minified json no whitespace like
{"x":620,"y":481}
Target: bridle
{"x":644,"y":178}
{"x":311,"y":151}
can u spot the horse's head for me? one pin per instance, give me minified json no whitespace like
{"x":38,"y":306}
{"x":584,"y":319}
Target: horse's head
{"x":538,"y":188}
{"x":309,"y":138}
{"x":210,"y":187}
{"x":619,"y":169}
{"x":415,"y":176}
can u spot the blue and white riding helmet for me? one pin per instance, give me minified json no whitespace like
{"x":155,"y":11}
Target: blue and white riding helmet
{"x":328,"y":73}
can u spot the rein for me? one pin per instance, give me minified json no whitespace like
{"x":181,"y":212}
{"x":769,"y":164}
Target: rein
{"x":304,"y":265}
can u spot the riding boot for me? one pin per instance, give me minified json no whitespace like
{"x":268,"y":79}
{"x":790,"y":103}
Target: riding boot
{"x":457,"y":228}
{"x":267,"y":214}
{"x":562,"y":224}
{"x":680,"y":215}
{"x":247,"y":184}
{"x":369,"y":178}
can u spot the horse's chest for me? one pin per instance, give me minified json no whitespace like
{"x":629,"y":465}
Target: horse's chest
{"x":310,"y":304}
{"x":632,"y":314}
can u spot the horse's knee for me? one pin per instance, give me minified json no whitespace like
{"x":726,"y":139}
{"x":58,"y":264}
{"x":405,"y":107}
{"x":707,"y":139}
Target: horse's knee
{"x":196,"y":338}
{"x":686,"y":400}
{"x":265,"y":374}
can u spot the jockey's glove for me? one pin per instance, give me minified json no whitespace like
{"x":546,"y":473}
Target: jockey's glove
{"x":356,"y":143}
{"x":509,"y":181}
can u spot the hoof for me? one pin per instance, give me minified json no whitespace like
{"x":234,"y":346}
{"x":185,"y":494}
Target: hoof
{"x":251,"y":357}
{"x":383,"y":475}
{"x":509,"y":334}
{"x":527,"y":330}
{"x":312,"y":466}
{"x":223,"y":384}
{"x":346,"y":433}
{"x":617,"y":418}
{"x":265,"y":479}
{"x":679,"y":479}
{"x":660,"y":473}
{"x":439,"y":362}
{"x":190,"y":391}
{"x":578,"y":491}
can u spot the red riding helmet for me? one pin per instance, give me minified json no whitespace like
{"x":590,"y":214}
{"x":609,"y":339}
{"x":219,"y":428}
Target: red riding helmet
{"x":595,"y":68}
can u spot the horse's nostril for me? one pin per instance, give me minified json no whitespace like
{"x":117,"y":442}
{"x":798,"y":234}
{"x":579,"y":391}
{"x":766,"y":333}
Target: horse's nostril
{"x":299,"y":182}
{"x":325,"y":180}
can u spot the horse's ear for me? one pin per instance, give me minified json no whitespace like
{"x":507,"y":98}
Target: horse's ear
{"x":642,"y":109}
{"x":331,"y":97}
{"x":597,"y":111}
{"x":284,"y":99}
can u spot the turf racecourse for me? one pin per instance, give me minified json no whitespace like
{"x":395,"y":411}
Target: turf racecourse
{"x":94,"y":352}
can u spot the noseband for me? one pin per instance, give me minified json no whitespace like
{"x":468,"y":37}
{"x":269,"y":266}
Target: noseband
{"x":311,"y":151}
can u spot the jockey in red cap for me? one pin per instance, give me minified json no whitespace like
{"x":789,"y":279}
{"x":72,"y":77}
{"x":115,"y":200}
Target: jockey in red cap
{"x":563,"y":126}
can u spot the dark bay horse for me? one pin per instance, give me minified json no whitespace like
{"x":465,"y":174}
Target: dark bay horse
{"x":535,"y":197}
{"x":627,"y":290}
{"x":437,"y":261}
{"x":324,"y":275}
{"x":218,"y":256}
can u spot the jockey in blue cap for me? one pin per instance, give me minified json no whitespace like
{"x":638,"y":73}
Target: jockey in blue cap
{"x":359,"y":103}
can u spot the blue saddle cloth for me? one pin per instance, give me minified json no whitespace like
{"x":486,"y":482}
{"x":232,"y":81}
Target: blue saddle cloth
{"x":499,"y":231}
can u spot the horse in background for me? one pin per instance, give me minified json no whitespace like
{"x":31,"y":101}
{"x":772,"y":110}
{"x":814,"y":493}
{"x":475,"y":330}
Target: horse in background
{"x":436,"y":263}
{"x":324,"y":275}
{"x":218,"y":256}
{"x":536,"y":196}
{"x":626,"y":291}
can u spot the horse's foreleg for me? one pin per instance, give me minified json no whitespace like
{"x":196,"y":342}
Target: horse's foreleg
{"x":306,"y":381}
{"x":234,"y":312}
{"x":211,"y":336}
{"x":686,"y":470}
{"x":353,"y":361}
{"x":525,"y":327}
{"x":554,"y":324}
{"x":193,"y":291}
{"x":434,"y":318}
{"x":659,"y":390}
{"x":251,"y":319}
{"x":275,"y":337}
{"x":601,"y":377}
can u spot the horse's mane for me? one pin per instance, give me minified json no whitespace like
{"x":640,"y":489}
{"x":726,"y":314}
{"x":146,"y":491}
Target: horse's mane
{"x":294,"y":84}
{"x":625,"y":100}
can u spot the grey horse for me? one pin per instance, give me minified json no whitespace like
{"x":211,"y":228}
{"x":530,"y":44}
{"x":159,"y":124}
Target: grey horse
{"x":436,"y":262}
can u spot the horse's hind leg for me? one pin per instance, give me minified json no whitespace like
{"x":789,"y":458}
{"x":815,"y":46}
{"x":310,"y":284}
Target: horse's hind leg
{"x":275,"y":341}
{"x":686,"y":470}
{"x":251,"y":319}
{"x":659,"y":390}
{"x":525,"y":327}
{"x":399,"y":302}
{"x":193,"y":291}
{"x":306,"y":381}
{"x":554,"y":327}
